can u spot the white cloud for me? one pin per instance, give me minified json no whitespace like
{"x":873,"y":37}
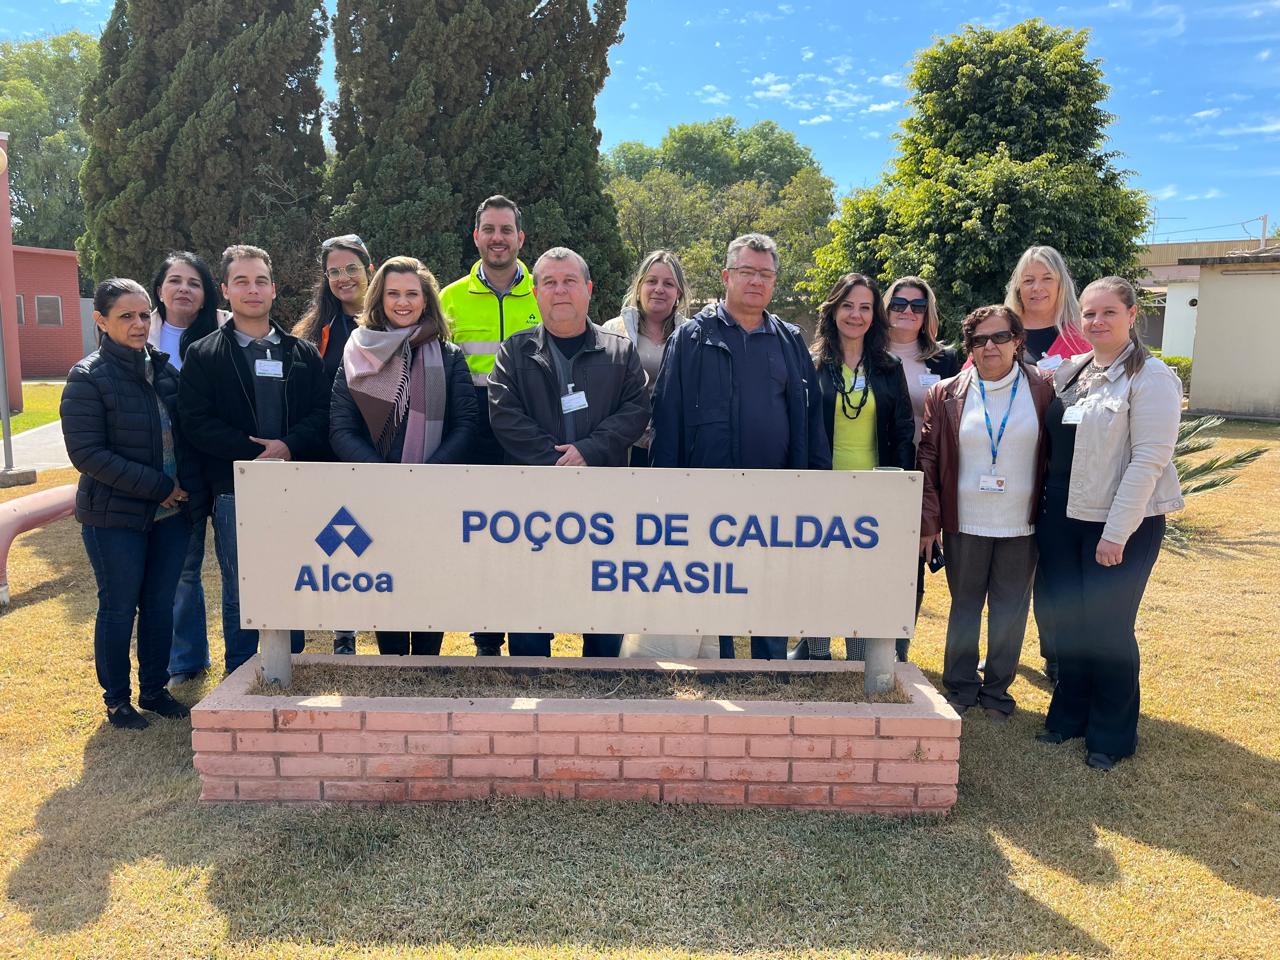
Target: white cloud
{"x":764,"y":81}
{"x":775,"y":91}
{"x":786,"y":9}
{"x":820,"y":118}
{"x":1167,"y":192}
{"x":1213,"y":193}
{"x":806,"y":53}
{"x":881,"y":107}
{"x":841,"y":65}
{"x":1207,"y":114}
{"x":711,"y":94}
{"x":840,"y":98}
{"x":1270,"y":125}
{"x":889,"y":79}
{"x":1263,"y":55}
{"x":654,"y":87}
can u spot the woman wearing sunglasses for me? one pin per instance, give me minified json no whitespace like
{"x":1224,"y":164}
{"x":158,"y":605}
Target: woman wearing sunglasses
{"x":982,"y":456}
{"x":866,"y":406}
{"x":336,"y":300}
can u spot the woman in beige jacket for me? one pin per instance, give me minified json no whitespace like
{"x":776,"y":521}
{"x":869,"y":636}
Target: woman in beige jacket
{"x":1110,"y":480}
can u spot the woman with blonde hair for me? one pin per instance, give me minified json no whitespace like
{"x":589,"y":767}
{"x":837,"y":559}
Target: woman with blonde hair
{"x":1110,"y":480}
{"x":1041,"y":291}
{"x":652,"y":309}
{"x":403,"y":393}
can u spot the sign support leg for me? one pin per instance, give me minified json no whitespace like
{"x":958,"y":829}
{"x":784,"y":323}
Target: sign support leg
{"x":879,"y":665}
{"x":277,"y":661}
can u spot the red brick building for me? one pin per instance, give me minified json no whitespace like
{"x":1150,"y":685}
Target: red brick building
{"x":50,"y":334}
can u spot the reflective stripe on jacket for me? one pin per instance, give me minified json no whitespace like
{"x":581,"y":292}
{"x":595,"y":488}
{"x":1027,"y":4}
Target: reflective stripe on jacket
{"x":479,"y":320}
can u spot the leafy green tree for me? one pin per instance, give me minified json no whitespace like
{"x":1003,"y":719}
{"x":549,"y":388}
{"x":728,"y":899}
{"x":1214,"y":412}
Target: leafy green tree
{"x":1002,"y":150}
{"x":41,"y":82}
{"x":443,"y":103}
{"x":631,"y":158}
{"x":205,"y":128}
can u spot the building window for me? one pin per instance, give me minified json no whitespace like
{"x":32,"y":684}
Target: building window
{"x":49,"y":311}
{"x":22,"y":312}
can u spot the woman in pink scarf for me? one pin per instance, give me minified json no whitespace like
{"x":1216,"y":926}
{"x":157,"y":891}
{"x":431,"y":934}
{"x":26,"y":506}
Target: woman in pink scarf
{"x":403,"y":394}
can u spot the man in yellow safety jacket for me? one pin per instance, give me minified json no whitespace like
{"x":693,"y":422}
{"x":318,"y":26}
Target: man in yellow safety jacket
{"x":490,"y":303}
{"x":485,"y":307}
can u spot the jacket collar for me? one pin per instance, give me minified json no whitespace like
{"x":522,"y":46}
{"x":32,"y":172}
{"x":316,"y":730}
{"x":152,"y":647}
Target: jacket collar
{"x":522,"y":288}
{"x":133,"y":360}
{"x":542,"y":344}
{"x":1068,"y":369}
{"x":287,"y":340}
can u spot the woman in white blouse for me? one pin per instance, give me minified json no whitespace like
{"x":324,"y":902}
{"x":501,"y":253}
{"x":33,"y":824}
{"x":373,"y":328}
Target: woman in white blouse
{"x":982,"y":459}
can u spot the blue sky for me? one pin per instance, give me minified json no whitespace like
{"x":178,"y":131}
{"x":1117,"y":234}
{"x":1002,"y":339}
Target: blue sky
{"x":1195,"y":87}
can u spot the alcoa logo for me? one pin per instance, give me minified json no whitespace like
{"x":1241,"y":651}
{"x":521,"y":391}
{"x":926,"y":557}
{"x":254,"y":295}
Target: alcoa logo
{"x":342,"y":530}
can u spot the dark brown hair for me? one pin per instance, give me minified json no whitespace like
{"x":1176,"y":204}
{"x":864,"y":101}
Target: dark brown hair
{"x":325,"y":307}
{"x":826,"y":348}
{"x":982,"y":314}
{"x":375,"y":318}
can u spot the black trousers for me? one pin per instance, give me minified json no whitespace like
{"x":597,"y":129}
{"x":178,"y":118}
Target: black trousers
{"x":1095,"y":609}
{"x":1045,"y":625}
{"x":994,"y":572}
{"x":420,"y":643}
{"x":762,"y":648}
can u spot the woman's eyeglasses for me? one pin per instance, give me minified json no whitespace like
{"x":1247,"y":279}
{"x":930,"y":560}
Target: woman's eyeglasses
{"x":350,"y":270}
{"x":980,"y":340}
{"x":902,"y":305}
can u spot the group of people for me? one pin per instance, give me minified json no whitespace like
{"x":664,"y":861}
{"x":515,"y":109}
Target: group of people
{"x":1046,"y":454}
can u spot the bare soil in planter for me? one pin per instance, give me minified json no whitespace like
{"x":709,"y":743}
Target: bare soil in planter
{"x":315,"y":680}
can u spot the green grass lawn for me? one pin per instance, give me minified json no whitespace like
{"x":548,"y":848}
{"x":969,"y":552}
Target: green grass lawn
{"x":39,"y":405}
{"x":105,"y":852}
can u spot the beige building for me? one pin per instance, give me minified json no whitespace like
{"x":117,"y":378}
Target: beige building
{"x":1237,"y":318}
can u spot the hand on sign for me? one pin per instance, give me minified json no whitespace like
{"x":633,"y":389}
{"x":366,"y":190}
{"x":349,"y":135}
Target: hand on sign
{"x":570,"y":456}
{"x":273,"y":450}
{"x":1109,"y":554}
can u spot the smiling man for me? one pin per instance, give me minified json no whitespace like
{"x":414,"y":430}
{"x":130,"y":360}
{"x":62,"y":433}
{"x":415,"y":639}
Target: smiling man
{"x":737,"y":389}
{"x":568,"y":394}
{"x":249,"y":391}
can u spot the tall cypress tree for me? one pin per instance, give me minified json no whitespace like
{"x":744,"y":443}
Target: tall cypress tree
{"x":444,"y":103}
{"x":205,"y":127}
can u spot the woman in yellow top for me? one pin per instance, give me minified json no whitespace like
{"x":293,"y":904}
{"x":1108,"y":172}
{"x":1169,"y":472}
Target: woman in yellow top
{"x":866,"y":404}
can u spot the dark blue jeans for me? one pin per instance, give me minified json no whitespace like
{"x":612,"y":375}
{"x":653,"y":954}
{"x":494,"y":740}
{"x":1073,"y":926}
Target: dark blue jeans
{"x":137,"y":573}
{"x":190,"y":650}
{"x":241,"y":644}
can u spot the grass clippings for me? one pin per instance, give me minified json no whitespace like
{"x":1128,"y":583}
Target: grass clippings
{"x":322,"y":679}
{"x":105,"y":851}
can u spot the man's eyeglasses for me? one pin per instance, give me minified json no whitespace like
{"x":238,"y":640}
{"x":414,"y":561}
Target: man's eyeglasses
{"x":350,"y":270}
{"x":751,"y":273}
{"x":902,"y":305}
{"x":980,"y":340}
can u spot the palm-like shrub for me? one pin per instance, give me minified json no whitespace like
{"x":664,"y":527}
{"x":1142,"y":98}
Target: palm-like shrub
{"x":1209,"y":474}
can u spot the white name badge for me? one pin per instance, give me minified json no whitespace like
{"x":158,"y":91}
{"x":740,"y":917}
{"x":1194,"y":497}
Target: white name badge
{"x":269,"y":368}
{"x":573,"y":401}
{"x":1049,"y":363}
{"x":929,"y":379}
{"x":859,"y":382}
{"x":1074,"y":413}
{"x":989,"y":483}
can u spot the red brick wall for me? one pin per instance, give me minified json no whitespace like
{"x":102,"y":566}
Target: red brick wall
{"x":48,"y":351}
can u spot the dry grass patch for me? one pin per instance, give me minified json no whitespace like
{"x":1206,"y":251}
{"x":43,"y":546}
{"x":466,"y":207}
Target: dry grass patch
{"x":317,"y":679}
{"x":104,"y":851}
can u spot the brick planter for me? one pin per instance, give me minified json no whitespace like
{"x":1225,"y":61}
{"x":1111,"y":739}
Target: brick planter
{"x":892,"y":758}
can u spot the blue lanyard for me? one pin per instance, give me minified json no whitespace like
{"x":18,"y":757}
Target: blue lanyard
{"x":991,"y":434}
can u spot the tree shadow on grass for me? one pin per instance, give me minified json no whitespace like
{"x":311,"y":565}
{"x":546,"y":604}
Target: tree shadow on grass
{"x":617,"y":875}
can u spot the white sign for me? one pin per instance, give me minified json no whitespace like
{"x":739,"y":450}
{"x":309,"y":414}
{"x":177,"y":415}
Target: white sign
{"x":396,"y":547}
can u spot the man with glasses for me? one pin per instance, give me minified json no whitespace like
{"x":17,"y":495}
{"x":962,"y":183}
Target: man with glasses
{"x":737,"y":389}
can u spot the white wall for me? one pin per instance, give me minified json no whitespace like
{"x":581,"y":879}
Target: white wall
{"x":1235,"y":365}
{"x":1180,"y":319}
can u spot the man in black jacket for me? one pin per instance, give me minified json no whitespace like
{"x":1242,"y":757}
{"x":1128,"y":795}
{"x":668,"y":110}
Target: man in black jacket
{"x":567,"y":394}
{"x":737,"y":389}
{"x":249,"y":391}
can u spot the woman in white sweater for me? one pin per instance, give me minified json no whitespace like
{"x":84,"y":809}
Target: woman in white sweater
{"x":982,"y":458}
{"x":1110,"y":480}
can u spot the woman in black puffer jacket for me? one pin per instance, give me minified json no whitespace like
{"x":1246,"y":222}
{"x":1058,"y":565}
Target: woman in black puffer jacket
{"x":140,"y":487}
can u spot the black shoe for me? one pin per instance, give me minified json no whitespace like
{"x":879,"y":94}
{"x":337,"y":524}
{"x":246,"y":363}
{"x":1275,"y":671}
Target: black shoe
{"x":489,"y":650}
{"x":178,"y":679}
{"x":124,"y":717}
{"x":996,"y":716}
{"x":1050,"y":736}
{"x":164,"y":705}
{"x":1051,"y":671}
{"x":801,"y":651}
{"x":1100,"y":761}
{"x":344,"y":642}
{"x":959,"y":708}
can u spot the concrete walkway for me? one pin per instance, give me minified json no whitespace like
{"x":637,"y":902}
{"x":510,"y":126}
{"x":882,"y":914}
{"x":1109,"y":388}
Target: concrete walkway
{"x":41,"y":448}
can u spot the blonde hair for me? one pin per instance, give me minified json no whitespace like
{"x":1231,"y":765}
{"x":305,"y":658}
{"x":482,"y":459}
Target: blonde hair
{"x":1067,"y":316}
{"x":1124,"y":290}
{"x":632,"y":298}
{"x":928,"y":336}
{"x":375,"y":318}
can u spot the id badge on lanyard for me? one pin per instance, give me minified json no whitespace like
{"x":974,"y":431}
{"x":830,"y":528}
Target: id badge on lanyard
{"x":573,"y":401}
{"x":991,"y":481}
